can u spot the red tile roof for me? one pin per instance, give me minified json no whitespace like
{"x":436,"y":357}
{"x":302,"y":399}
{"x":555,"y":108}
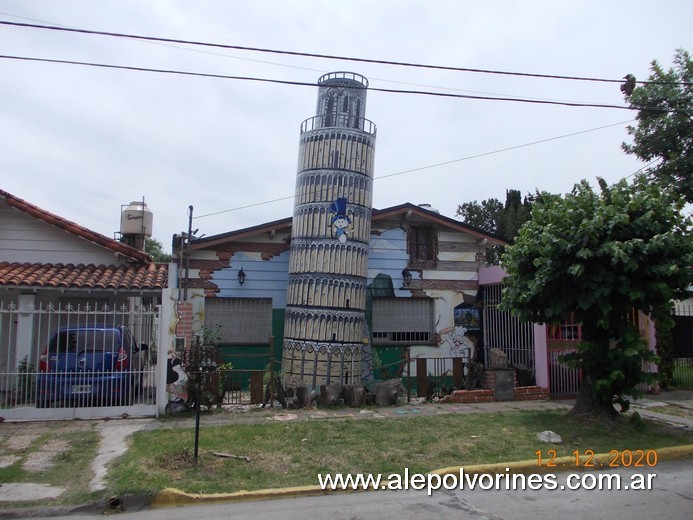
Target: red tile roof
{"x":133,"y":277}
{"x":75,"y":229}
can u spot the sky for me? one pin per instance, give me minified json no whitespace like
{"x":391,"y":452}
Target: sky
{"x":82,"y":141}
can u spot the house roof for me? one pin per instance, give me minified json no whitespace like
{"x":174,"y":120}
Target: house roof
{"x":412,"y":212}
{"x":406,"y":211}
{"x":58,"y":276}
{"x":75,"y":229}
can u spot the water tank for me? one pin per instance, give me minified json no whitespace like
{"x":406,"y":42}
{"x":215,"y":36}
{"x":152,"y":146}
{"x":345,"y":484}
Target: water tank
{"x":136,"y":219}
{"x":428,"y":207}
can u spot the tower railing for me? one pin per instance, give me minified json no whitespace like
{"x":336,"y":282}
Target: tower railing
{"x":338,"y":121}
{"x":343,"y":75}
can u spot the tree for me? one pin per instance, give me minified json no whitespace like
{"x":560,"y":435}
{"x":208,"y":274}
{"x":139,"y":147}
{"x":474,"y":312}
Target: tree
{"x":599,"y":257}
{"x":155,"y":249}
{"x":665,"y":123}
{"x":484,"y":216}
{"x":492,"y":216}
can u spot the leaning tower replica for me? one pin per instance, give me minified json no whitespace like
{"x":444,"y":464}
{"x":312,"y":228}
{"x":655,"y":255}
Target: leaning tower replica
{"x":325,"y":325}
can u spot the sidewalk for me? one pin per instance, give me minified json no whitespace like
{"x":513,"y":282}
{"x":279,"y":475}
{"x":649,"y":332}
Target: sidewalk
{"x":16,"y":437}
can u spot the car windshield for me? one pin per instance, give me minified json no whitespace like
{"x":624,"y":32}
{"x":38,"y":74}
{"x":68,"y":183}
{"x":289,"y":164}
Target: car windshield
{"x":73,"y":341}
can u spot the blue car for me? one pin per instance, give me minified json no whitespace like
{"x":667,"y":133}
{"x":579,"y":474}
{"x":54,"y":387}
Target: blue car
{"x":90,"y":365}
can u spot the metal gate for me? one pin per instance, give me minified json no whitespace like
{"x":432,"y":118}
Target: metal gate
{"x":506,"y":332}
{"x":683,"y":346}
{"x":562,"y":339}
{"x":77,"y":360}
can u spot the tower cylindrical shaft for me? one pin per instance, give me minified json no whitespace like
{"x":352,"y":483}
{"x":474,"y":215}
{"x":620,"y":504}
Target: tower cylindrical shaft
{"x":328,"y":267}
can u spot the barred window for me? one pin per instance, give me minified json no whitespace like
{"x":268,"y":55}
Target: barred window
{"x":244,"y":321}
{"x":423,"y":246}
{"x":403,"y":321}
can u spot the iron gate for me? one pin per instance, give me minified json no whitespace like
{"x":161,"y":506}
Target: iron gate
{"x":683,"y":346}
{"x":77,"y":360}
{"x":506,"y":332}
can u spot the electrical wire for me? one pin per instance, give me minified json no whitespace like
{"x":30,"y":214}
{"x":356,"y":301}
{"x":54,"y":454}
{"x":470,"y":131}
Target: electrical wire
{"x":284,"y":65}
{"x":322,"y":56}
{"x":467,"y":158}
{"x":310,"y":84}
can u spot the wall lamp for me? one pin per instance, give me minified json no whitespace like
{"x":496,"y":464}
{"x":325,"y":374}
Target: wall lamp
{"x":406,"y":275}
{"x":241,"y":276}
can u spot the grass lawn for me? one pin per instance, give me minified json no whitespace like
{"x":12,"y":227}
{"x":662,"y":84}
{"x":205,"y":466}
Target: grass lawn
{"x":292,"y":454}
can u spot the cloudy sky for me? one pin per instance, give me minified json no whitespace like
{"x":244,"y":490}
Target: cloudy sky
{"x":82,"y":141}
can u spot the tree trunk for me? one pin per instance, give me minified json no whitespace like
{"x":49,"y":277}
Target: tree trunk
{"x":587,"y":402}
{"x":595,"y":358}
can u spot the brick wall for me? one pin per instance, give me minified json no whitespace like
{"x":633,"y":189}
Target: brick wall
{"x":185,"y":319}
{"x":487,"y":395}
{"x":487,"y":392}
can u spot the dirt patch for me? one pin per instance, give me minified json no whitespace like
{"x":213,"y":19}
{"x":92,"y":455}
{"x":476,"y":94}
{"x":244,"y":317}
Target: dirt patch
{"x":39,"y":461}
{"x":7,"y":460}
{"x":21,"y":442}
{"x":56,"y":445}
{"x":45,"y":458}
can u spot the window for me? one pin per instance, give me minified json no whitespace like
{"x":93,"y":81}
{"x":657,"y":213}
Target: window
{"x":422,"y":242}
{"x":403,"y":321}
{"x":329,"y":110}
{"x":246,"y":321}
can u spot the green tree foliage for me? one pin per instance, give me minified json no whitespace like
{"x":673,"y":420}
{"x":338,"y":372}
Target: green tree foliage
{"x":598,"y":257}
{"x":492,"y":216}
{"x":484,"y":216}
{"x":155,"y":249}
{"x":665,"y":123}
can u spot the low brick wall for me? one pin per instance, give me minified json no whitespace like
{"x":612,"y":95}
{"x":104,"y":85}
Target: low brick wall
{"x":522,"y":393}
{"x":531,"y":393}
{"x":488,"y":379}
{"x":470,"y":396}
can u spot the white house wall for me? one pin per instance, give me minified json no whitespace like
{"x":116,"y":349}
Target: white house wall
{"x":24,"y":238}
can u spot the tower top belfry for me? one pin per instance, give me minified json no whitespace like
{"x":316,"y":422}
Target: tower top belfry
{"x":341,"y":103}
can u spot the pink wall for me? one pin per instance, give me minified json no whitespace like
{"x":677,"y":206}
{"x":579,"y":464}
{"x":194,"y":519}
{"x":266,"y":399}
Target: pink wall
{"x":491,"y":274}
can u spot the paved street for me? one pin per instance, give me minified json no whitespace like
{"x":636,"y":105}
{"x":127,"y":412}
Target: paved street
{"x":671,"y":498}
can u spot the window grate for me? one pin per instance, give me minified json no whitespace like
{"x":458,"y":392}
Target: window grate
{"x":240,"y":320}
{"x":403,"y":320}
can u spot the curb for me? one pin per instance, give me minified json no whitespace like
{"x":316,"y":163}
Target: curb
{"x":175,"y":497}
{"x":171,"y":497}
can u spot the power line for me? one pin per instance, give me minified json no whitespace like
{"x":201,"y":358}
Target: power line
{"x":433,"y":165}
{"x":314,"y":55}
{"x":310,"y":84}
{"x":321,"y":71}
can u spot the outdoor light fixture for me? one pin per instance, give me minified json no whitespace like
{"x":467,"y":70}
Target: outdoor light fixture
{"x":406,"y":274}
{"x":241,"y":276}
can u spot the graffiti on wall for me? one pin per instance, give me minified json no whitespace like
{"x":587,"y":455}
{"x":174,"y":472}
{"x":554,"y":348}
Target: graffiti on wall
{"x":455,"y":339}
{"x":176,"y":378}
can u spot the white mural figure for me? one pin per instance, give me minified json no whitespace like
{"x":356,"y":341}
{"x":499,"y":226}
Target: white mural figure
{"x":340,"y":220}
{"x":456,"y":341}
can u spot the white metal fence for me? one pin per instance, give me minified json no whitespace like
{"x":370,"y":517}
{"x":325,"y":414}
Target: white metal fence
{"x":77,"y":359}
